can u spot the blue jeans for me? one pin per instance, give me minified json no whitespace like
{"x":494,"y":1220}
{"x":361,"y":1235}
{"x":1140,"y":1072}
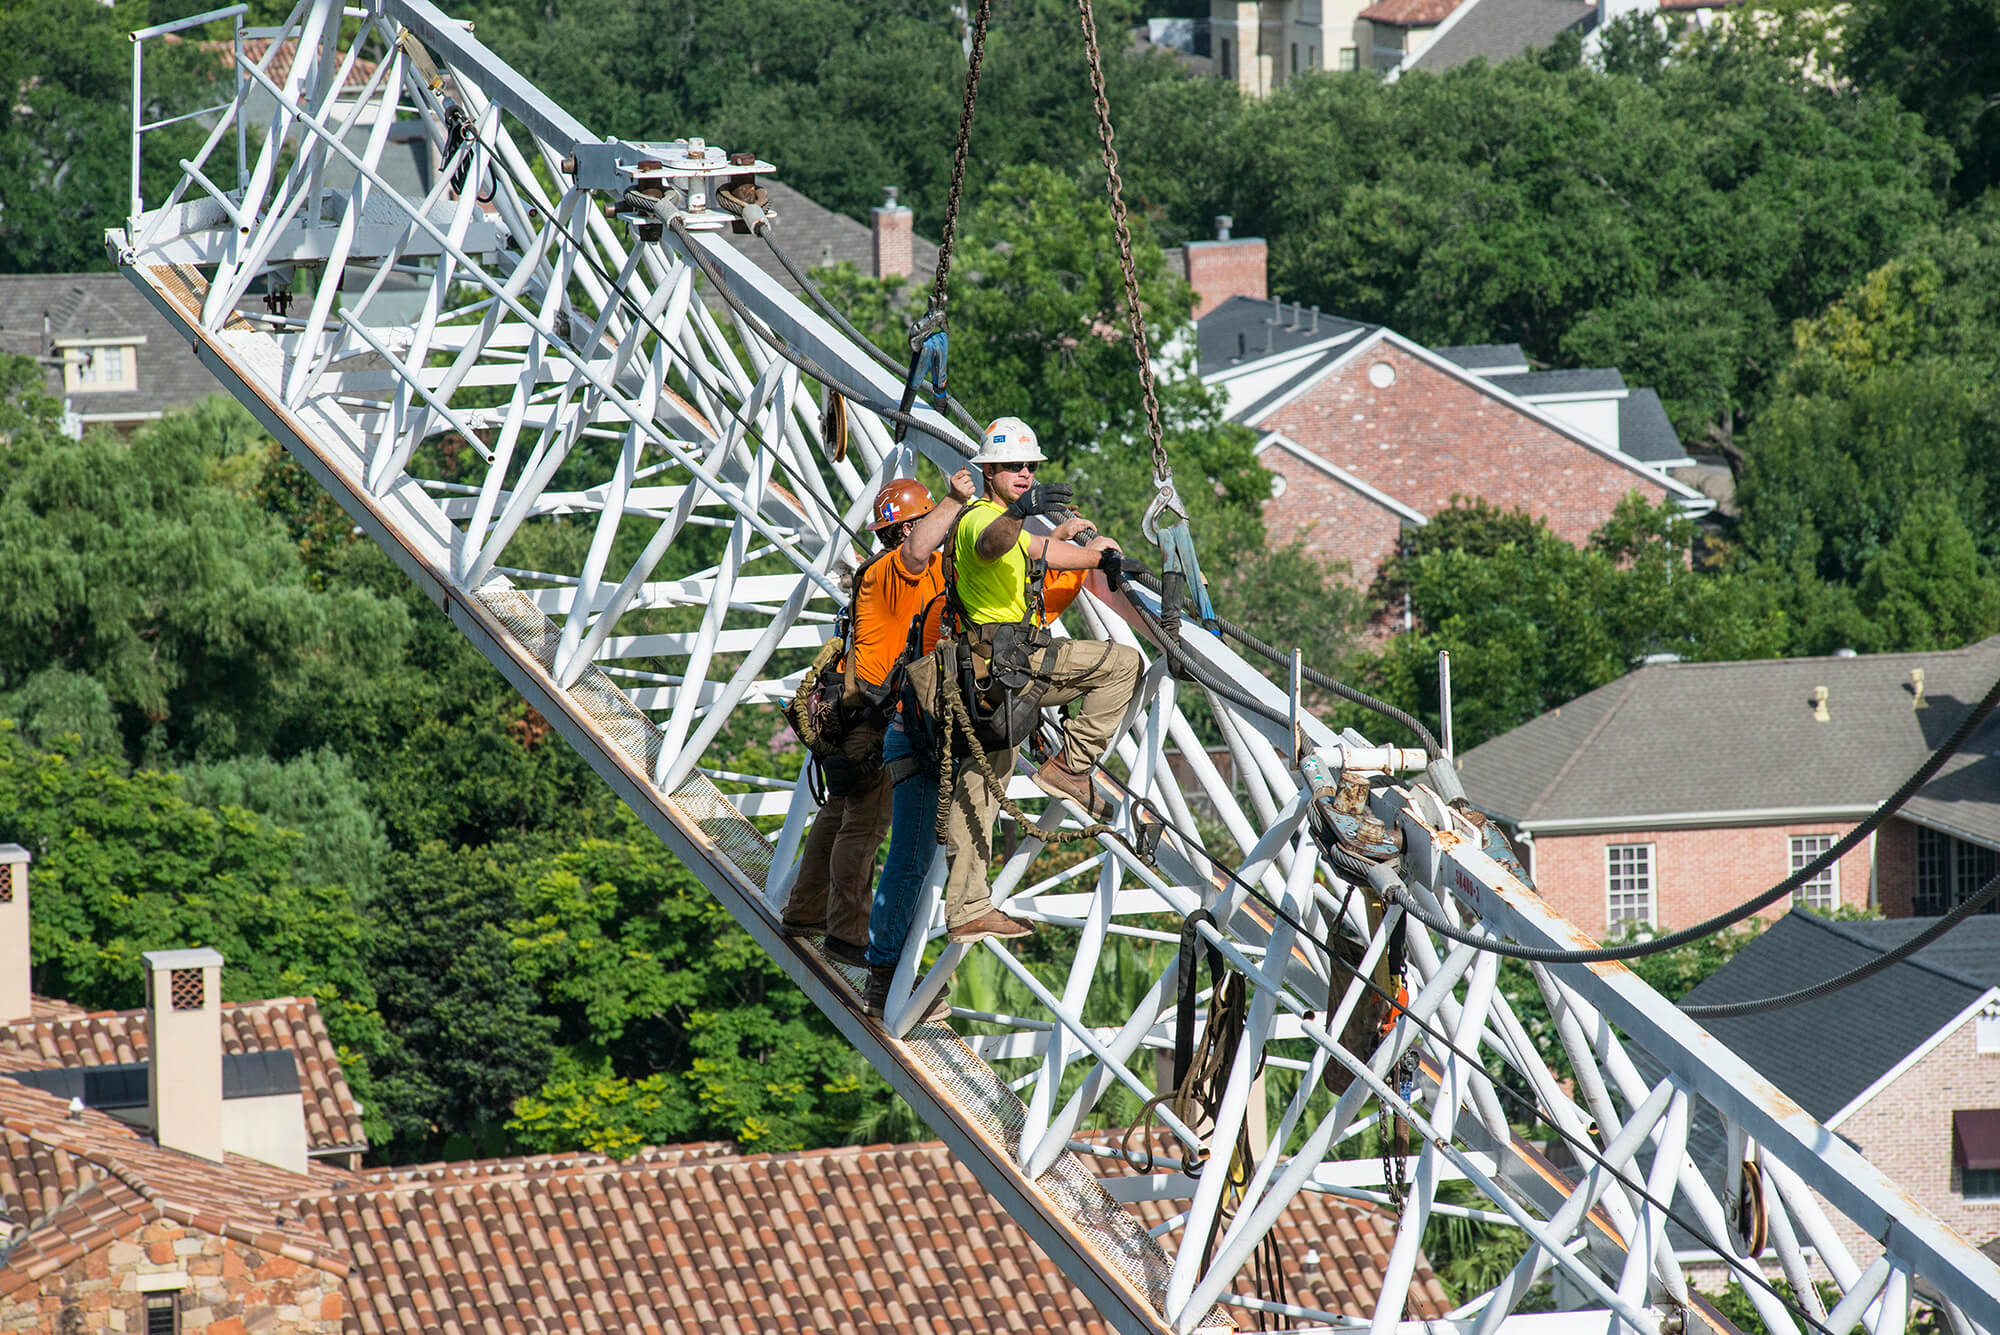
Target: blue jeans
{"x":912,"y":843}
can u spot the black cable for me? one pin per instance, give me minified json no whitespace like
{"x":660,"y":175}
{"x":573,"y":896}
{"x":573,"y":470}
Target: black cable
{"x":1228,"y":692}
{"x":847,"y":327}
{"x":1674,"y":940}
{"x":1749,"y":1273}
{"x":1724,"y":1010}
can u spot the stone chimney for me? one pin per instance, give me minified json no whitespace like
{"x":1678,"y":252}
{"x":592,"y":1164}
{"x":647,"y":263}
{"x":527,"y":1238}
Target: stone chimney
{"x":184,"y":1065}
{"x":16,"y":954}
{"x":894,"y":230}
{"x":1229,"y":266}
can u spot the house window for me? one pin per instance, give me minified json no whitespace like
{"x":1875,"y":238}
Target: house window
{"x":1295,"y":58}
{"x":1628,"y":885}
{"x":163,"y":1316}
{"x":1312,"y":57}
{"x":1949,"y":872}
{"x":90,"y":368}
{"x":1821,"y":892}
{"x":1350,"y":58}
{"x":1227,"y":71}
{"x":1975,"y":1152}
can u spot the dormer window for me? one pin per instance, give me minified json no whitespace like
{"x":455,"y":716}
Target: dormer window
{"x":105,"y":366}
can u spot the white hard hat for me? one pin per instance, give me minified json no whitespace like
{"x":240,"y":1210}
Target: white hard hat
{"x":1009,"y":440}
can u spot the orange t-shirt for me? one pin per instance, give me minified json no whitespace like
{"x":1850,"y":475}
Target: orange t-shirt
{"x":886,"y":600}
{"x":1059,"y":590}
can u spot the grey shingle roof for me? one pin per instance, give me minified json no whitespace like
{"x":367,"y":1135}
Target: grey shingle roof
{"x":1537,"y":383}
{"x":1241,"y":329}
{"x":1480,"y":356}
{"x":78,"y":305}
{"x":1645,"y":745}
{"x":817,"y":237}
{"x":1501,"y":29}
{"x":1880,"y":1020}
{"x":1645,"y":431}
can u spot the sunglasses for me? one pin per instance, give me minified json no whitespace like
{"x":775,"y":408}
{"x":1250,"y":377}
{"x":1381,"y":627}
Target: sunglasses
{"x":1015,"y":468}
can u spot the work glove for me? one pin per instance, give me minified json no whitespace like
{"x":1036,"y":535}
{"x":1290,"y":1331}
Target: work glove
{"x":1119,"y":569}
{"x":1040,"y":498}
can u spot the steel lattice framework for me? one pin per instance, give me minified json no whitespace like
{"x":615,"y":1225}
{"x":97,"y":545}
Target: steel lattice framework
{"x":576,"y":368}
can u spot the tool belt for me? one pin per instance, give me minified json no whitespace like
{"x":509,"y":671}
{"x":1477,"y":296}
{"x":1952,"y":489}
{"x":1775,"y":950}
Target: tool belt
{"x":1005,"y":701}
{"x":829,"y":708}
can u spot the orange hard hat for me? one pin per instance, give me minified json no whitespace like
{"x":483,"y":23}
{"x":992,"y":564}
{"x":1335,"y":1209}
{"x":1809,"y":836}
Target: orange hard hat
{"x":901,"y":501}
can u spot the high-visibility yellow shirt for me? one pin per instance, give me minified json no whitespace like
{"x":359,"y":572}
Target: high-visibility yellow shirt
{"x":990,"y":591}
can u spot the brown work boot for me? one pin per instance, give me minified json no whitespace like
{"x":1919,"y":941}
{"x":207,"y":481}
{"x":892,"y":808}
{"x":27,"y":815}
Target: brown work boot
{"x":846,"y":952}
{"x":992,"y":923}
{"x":1055,"y":779}
{"x":790,"y":928}
{"x":875,"y":998}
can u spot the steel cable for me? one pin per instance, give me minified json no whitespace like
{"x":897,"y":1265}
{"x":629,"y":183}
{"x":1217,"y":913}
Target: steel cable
{"x":1688,"y":935}
{"x":1840,"y":982}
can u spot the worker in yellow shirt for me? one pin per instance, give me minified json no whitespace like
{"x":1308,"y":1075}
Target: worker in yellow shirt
{"x":997,"y":595}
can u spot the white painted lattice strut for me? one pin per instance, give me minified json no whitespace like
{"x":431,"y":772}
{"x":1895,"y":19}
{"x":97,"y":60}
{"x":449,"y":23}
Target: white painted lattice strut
{"x":587,"y":388}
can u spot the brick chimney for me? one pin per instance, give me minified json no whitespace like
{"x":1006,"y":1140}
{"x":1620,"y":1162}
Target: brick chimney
{"x":16,"y":954}
{"x":894,"y":230}
{"x":1226,"y":267}
{"x":184,"y":1066}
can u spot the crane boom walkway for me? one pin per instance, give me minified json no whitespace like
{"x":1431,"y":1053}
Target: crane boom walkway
{"x":642,"y":527}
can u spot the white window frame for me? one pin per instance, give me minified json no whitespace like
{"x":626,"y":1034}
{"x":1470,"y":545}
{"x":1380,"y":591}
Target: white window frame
{"x":1613,"y":889}
{"x":1822,"y":893}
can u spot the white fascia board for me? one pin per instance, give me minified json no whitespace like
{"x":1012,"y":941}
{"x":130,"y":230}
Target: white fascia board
{"x":1575,"y":396}
{"x":1374,"y":336}
{"x":1691,"y":500}
{"x":101,"y":341}
{"x":1691,"y":820}
{"x":1340,"y":475}
{"x":1915,"y":1055}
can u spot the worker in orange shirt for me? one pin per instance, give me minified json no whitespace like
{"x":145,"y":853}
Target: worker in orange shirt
{"x":891,"y":591}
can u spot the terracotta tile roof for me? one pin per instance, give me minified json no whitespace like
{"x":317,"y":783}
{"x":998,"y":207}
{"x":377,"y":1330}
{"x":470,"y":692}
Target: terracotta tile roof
{"x":45,"y":1009}
{"x":283,"y":1024}
{"x":281,"y":64}
{"x":886,"y":1238}
{"x":1410,"y":13}
{"x":70,"y":1185}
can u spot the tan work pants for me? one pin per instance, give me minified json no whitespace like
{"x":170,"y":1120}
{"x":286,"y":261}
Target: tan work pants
{"x":836,"y":882}
{"x":1100,"y":677}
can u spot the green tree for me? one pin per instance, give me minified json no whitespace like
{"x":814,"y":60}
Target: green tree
{"x":128,"y":563}
{"x":1705,"y":202}
{"x":1532,"y":622}
{"x":65,"y":126}
{"x":340,"y":837}
{"x":125,"y":864}
{"x":1941,"y":61}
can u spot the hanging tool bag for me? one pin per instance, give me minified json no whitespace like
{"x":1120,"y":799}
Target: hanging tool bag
{"x":1006,"y":707}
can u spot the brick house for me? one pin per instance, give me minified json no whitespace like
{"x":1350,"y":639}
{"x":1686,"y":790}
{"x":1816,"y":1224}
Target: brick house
{"x":1367,"y":433}
{"x":146,"y":1185}
{"x":1683,"y":789}
{"x":1913,"y":1082}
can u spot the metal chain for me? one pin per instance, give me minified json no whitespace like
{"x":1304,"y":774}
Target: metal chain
{"x":1162,"y":470}
{"x":950,"y":232}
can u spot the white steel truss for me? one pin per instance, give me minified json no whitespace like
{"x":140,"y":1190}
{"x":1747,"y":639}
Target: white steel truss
{"x":583,"y":380}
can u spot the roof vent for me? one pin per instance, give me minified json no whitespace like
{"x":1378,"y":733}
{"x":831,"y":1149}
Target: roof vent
{"x":1223,"y":222}
{"x":1917,"y":689}
{"x":1819,"y":705}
